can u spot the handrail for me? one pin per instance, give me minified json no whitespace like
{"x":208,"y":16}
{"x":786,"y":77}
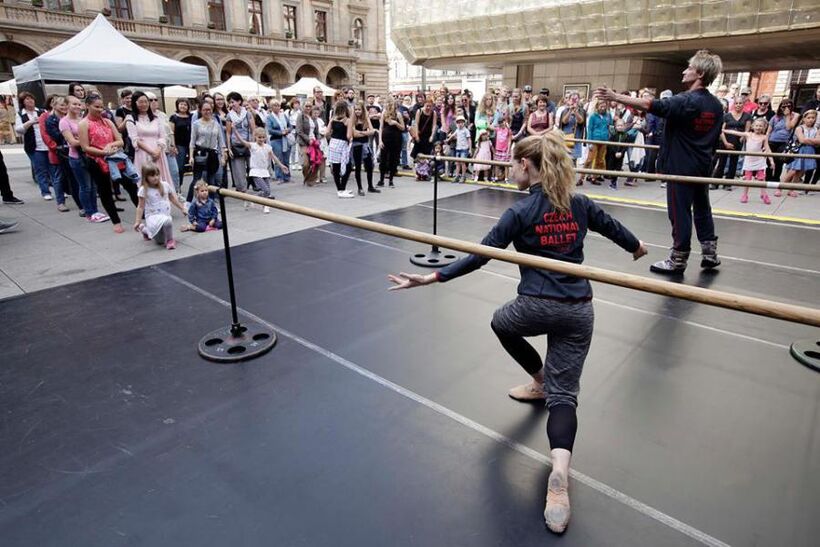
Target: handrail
{"x":718,"y":151}
{"x":747,"y":304}
{"x":649,"y":176}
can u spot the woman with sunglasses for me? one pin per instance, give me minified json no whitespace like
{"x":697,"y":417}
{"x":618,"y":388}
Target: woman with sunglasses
{"x":780,"y":133}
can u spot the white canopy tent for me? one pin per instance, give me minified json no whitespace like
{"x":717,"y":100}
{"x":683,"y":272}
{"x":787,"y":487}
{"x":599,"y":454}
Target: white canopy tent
{"x":305,"y":87}
{"x":176,"y":91}
{"x":99,"y":53}
{"x":9,"y":87}
{"x":245,"y":86}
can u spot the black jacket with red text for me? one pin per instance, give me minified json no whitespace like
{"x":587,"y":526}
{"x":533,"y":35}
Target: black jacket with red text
{"x":534,"y":227}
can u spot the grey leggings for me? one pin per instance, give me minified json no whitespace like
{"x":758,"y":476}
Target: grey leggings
{"x":568,"y":326}
{"x":166,"y":233}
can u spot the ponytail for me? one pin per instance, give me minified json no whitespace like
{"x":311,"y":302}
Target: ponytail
{"x":549,"y":153}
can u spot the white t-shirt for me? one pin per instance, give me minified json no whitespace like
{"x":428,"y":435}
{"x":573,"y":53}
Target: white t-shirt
{"x":156,"y":203}
{"x":260,"y":160}
{"x":462,"y":139}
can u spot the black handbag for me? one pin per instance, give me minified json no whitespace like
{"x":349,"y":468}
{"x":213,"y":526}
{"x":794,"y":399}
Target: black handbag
{"x":240,"y":151}
{"x":206,"y":159}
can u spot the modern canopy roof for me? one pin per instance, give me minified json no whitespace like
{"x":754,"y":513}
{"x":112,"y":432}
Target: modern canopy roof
{"x":99,"y":53}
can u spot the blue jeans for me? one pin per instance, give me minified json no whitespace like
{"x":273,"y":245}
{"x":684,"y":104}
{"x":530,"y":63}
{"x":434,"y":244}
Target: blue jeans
{"x":42,"y":175}
{"x":57,"y":176}
{"x":173,"y":168}
{"x":276,"y":145}
{"x":405,"y":138}
{"x":88,"y":192}
{"x":181,"y":161}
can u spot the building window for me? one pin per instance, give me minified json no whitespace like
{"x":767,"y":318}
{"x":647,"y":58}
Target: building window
{"x":121,"y":9}
{"x":321,"y":25}
{"x":358,"y":32}
{"x":173,"y":11}
{"x":255,"y":16}
{"x":60,"y":5}
{"x":216,"y":14}
{"x":289,"y":16}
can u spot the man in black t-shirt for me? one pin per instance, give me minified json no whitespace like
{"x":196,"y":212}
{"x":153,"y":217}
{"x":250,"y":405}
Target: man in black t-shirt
{"x":694,"y":121}
{"x":119,"y":119}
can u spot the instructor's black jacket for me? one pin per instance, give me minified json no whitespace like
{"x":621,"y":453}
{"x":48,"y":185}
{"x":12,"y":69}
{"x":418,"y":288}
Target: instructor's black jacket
{"x":533,"y":227}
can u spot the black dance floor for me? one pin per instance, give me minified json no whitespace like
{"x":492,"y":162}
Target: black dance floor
{"x":382,"y":418}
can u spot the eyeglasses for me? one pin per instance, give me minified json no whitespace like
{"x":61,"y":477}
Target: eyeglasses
{"x":763,"y":104}
{"x":154,"y":100}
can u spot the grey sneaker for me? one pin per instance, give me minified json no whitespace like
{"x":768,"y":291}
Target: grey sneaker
{"x":674,"y":265}
{"x":7,"y":226}
{"x":556,"y":512}
{"x":709,"y":258}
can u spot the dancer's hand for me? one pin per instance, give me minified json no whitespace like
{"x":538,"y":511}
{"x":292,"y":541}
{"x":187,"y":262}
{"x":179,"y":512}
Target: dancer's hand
{"x":408,"y":281}
{"x":642,"y":251}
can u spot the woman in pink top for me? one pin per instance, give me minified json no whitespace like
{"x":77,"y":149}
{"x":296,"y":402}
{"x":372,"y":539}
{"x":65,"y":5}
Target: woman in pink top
{"x":70,"y":128}
{"x":149,"y":136}
{"x":99,"y":137}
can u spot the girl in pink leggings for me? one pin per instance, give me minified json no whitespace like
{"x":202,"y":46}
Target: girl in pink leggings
{"x":754,"y":167}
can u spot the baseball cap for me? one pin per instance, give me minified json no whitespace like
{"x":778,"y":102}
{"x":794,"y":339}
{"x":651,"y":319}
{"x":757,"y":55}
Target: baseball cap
{"x":746,"y":91}
{"x":460,"y":119}
{"x":528,"y":88}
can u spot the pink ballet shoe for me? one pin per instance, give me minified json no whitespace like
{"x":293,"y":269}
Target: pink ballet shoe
{"x":778,"y":193}
{"x":744,"y":198}
{"x":765,"y":198}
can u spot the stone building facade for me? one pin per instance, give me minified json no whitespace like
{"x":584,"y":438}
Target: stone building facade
{"x":276,"y":42}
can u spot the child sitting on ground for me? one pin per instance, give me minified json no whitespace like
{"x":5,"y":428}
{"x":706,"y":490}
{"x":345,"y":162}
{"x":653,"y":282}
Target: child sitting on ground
{"x":155,"y":198}
{"x":754,"y":167}
{"x":203,"y":214}
{"x":261,"y":157}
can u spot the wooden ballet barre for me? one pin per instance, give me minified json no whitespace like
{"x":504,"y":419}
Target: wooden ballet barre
{"x":718,"y":151}
{"x":747,"y":304}
{"x":651,"y":176}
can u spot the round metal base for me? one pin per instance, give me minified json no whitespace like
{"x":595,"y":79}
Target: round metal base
{"x":433,"y":258}
{"x":807,"y":352}
{"x":221,"y":346}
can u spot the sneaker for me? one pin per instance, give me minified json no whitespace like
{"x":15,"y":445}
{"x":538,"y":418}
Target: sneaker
{"x":596,"y":182}
{"x":663,"y":185}
{"x":98,"y":217}
{"x":527,"y":392}
{"x":391,"y":185}
{"x":265,"y":209}
{"x":82,"y":213}
{"x":580,"y":181}
{"x":374,"y":190}
{"x":7,"y":226}
{"x":380,"y":184}
{"x":343,"y":195}
{"x":171,"y":244}
{"x":709,"y":258}
{"x":63,"y":208}
{"x":744,"y":198}
{"x":766,"y":199}
{"x":48,"y":197}
{"x":613,"y":185}
{"x":674,"y":265}
{"x":361,"y":193}
{"x":630,"y":183}
{"x":13,"y":201}
{"x":556,"y":512}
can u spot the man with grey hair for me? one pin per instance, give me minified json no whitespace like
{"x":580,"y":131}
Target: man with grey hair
{"x":694,"y":120}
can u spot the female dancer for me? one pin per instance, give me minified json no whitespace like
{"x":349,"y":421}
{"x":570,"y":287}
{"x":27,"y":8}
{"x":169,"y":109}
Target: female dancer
{"x":552,"y":222}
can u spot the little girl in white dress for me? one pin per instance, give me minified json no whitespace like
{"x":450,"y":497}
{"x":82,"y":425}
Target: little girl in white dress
{"x":155,"y":198}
